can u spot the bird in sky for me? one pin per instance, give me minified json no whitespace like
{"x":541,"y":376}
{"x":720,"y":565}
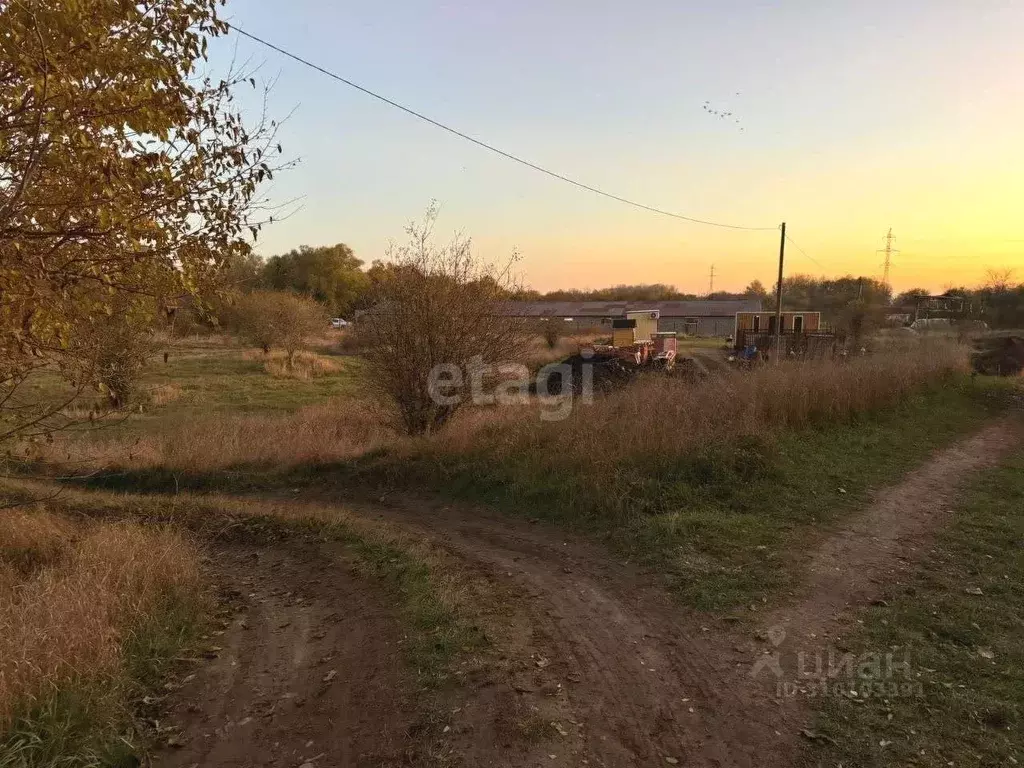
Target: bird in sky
{"x":722,"y":114}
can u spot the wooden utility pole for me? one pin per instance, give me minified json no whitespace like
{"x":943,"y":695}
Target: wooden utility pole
{"x":778,"y":296}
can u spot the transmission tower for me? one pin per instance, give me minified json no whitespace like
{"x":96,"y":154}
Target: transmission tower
{"x":711,"y":281}
{"x":889,"y":251}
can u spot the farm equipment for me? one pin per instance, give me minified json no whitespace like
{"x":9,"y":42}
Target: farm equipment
{"x":637,"y":344}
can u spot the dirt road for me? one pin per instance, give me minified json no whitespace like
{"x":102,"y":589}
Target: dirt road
{"x":637,"y":680}
{"x":308,"y":671}
{"x":650,"y":684}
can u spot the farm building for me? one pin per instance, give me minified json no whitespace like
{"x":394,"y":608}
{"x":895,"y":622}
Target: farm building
{"x":764,"y":322}
{"x":802,"y":333}
{"x":692,"y":318}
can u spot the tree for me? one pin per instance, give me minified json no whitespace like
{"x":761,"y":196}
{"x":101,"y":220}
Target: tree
{"x":123,"y":173}
{"x":756,"y":290}
{"x":436,"y":310}
{"x":330,"y":274}
{"x":910,"y":298}
{"x":998,"y":279}
{"x":278,"y":319}
{"x":116,"y":352}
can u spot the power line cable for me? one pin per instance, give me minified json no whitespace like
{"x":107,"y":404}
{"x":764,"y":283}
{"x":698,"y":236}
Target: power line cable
{"x":485,"y":145}
{"x":805,"y":253}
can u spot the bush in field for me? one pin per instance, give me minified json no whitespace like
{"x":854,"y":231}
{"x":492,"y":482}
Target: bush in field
{"x":121,"y":351}
{"x":551,"y":331}
{"x":108,"y":352}
{"x":437,"y":306}
{"x":279,"y":320}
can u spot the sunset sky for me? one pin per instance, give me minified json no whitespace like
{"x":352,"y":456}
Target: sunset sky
{"x":856,"y":117}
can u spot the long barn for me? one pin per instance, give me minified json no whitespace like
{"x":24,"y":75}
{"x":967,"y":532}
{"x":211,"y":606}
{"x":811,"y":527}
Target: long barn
{"x":693,"y":318}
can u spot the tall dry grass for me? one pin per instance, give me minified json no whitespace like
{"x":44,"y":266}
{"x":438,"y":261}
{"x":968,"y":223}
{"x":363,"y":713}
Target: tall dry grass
{"x":72,"y":596}
{"x":537,"y":352}
{"x":334,"y":430}
{"x":653,"y":420}
{"x":305,"y":365}
{"x":657,"y":418}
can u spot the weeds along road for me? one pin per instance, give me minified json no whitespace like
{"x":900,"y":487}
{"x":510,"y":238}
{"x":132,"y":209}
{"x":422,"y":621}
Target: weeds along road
{"x":631,"y":678}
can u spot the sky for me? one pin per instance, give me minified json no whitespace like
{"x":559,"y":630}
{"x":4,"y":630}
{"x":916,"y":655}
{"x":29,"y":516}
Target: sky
{"x":856,"y":117}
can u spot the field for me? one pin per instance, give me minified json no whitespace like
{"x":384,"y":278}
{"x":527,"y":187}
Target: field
{"x":500,"y":579}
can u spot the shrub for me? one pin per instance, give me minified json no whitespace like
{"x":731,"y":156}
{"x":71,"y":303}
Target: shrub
{"x":551,"y":331}
{"x":278,"y":320}
{"x":439,"y":307}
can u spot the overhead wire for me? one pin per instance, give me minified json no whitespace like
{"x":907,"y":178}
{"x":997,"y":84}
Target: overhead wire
{"x":487,"y":146}
{"x":805,"y":253}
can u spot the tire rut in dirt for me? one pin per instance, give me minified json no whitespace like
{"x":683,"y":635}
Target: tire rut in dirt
{"x":649,"y":682}
{"x":855,"y":564}
{"x":646,"y":685}
{"x":309,"y":670}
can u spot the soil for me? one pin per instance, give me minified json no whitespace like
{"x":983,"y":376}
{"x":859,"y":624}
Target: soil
{"x":309,"y":670}
{"x":645,"y":685}
{"x":628,"y":677}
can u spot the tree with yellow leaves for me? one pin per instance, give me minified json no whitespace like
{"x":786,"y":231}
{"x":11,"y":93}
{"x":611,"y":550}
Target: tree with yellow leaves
{"x":124,"y":172}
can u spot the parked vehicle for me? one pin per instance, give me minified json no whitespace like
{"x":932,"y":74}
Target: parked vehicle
{"x":338,"y":322}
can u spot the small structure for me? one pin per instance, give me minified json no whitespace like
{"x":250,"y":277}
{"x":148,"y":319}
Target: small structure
{"x":764,"y":322}
{"x":637,"y":341}
{"x":802,"y":334}
{"x":939,"y":306}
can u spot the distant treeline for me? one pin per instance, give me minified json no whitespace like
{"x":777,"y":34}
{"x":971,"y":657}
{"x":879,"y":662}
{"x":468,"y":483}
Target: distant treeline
{"x":334,"y":276}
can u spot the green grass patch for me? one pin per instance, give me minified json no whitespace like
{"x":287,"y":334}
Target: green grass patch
{"x":959,"y":621}
{"x":95,"y":721}
{"x":227,"y":381}
{"x":720,"y":527}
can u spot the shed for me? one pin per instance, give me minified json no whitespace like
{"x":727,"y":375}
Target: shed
{"x":764,"y":322}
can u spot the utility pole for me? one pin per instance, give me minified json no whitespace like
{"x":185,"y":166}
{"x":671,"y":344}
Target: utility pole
{"x":778,"y":296}
{"x":711,"y":282}
{"x":888,"y":251}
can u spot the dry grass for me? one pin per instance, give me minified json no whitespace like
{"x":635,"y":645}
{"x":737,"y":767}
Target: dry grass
{"x":305,"y":365}
{"x":162,"y":394}
{"x":32,"y":540}
{"x":539,"y":352}
{"x":658,"y":418}
{"x":71,"y":597}
{"x":654,"y":420}
{"x":334,"y":430}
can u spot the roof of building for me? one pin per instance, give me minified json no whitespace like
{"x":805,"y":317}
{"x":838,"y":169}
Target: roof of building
{"x":785,"y":312}
{"x":620,"y":308}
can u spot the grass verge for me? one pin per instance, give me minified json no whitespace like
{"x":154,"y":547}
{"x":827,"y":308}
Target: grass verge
{"x":720,"y":525}
{"x":90,"y":616}
{"x":431,"y":594}
{"x":719,"y":522}
{"x":959,"y":621}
